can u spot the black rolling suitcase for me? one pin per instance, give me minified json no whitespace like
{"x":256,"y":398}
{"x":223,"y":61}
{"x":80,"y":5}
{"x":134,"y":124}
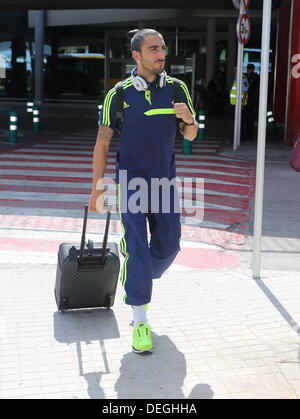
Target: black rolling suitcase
{"x":87,"y":277}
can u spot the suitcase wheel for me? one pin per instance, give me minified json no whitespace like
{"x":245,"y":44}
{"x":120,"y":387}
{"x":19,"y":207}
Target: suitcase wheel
{"x":109,"y":299}
{"x":63,"y":304}
{"x":63,"y":309}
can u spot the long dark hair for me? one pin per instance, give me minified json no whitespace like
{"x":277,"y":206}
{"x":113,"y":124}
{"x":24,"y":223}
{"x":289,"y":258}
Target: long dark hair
{"x":137,"y":37}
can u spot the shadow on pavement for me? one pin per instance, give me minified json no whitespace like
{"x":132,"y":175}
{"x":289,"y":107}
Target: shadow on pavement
{"x":157,"y":375}
{"x":84,"y":327}
{"x":280,"y":308}
{"x":160,"y":374}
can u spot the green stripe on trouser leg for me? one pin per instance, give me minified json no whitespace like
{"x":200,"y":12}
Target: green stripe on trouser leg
{"x":123,"y":247}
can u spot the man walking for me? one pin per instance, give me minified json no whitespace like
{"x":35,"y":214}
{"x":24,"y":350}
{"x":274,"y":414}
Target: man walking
{"x":145,"y":151}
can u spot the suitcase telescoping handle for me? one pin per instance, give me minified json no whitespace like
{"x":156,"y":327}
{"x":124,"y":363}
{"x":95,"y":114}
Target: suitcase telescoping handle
{"x":102,"y":257}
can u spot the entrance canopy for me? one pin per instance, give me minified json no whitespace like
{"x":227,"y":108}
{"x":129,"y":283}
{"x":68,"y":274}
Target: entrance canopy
{"x":119,"y":4}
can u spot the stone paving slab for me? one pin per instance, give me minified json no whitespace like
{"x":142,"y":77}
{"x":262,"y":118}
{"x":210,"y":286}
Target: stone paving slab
{"x":217,"y":334}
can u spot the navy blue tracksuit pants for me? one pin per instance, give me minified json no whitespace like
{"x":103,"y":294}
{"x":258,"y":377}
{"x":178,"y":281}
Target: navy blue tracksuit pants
{"x":146,"y":261}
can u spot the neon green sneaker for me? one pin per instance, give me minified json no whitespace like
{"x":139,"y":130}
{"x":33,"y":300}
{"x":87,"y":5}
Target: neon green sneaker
{"x":142,"y":341}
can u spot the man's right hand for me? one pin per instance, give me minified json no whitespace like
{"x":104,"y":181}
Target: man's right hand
{"x":96,"y":202}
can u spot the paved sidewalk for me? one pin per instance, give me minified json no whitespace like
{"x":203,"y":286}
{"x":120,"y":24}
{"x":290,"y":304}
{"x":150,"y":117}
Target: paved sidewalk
{"x":217,"y":334}
{"x":281,"y":209}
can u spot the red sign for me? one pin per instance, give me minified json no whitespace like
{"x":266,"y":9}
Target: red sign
{"x":246,"y":4}
{"x":293,"y":122}
{"x":243,"y":28}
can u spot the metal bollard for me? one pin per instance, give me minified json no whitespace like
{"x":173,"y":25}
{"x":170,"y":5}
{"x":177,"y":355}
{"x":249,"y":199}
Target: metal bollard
{"x":36,"y":120}
{"x":13,"y":127}
{"x":187,"y":146}
{"x":30,"y":107}
{"x":201,"y":126}
{"x":271,"y":121}
{"x":100,"y":106}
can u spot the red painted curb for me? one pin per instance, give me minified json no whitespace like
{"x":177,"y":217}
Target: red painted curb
{"x":187,"y":257}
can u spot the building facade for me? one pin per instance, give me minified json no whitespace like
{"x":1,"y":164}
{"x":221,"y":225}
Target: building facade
{"x":78,"y":54}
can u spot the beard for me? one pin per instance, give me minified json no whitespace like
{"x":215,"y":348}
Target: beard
{"x":152,"y":69}
{"x":157,"y":71}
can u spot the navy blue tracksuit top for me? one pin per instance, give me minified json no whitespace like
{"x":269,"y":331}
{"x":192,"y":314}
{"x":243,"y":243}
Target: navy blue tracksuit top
{"x":146,"y":146}
{"x":146,"y":150}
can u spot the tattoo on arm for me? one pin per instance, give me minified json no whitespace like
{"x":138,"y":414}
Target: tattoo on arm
{"x":105,"y":134}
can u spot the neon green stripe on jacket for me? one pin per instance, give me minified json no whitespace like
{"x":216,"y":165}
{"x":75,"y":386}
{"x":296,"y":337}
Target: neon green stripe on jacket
{"x":160,"y":111}
{"x":189,"y":100}
{"x":106,"y":106}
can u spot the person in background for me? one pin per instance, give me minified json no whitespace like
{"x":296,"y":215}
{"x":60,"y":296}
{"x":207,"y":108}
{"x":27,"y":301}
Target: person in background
{"x":250,"y":110}
{"x":217,"y":94}
{"x":244,"y":99}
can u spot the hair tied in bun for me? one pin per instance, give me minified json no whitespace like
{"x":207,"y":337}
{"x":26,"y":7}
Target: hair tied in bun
{"x":131,"y":34}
